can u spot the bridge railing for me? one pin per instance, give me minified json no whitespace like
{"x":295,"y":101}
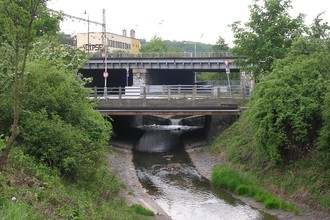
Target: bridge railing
{"x":191,"y":92}
{"x":162,"y":54}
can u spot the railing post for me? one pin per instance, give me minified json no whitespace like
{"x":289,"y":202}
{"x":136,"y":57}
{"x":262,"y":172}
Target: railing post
{"x":144,"y":93}
{"x":194,"y":92}
{"x":218,"y":92}
{"x":179,"y":89}
{"x":120,"y":93}
{"x":169,"y":93}
{"x":163,"y":90}
{"x":95,"y":92}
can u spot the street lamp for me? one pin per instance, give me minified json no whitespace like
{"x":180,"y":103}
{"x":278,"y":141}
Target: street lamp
{"x":88,"y":46}
{"x":195,"y":50}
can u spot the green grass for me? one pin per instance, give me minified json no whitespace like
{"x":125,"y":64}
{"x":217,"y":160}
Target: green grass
{"x":290,"y":179}
{"x":41,"y":193}
{"x":13,"y":209}
{"x":141,"y":210}
{"x":240,"y":184}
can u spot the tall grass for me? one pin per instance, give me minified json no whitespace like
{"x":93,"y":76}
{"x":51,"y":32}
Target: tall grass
{"x":12,"y":210}
{"x":41,"y":193}
{"x":240,"y":184}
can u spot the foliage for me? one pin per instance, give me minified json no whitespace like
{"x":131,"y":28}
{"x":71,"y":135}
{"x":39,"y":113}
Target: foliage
{"x":156,"y":44}
{"x":266,"y":37}
{"x":285,"y":107}
{"x":220,"y":46}
{"x":243,"y":186}
{"x":31,"y":190}
{"x":66,"y":39}
{"x":179,"y":47}
{"x":59,"y":125}
{"x":318,"y":29}
{"x":20,"y":23}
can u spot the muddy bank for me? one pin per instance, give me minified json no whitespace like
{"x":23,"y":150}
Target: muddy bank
{"x":121,"y":164}
{"x":204,"y":161}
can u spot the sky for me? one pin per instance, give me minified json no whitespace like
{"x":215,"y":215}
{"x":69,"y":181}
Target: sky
{"x":176,"y":20}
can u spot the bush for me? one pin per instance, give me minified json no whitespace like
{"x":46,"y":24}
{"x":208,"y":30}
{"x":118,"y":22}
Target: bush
{"x":285,"y":107}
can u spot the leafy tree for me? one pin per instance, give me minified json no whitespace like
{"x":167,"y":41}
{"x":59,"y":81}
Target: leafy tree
{"x":267,"y":36}
{"x":58,"y":124}
{"x":318,"y":29}
{"x":20,"y":22}
{"x":156,"y":44}
{"x":285,"y":108}
{"x":66,"y":39}
{"x":220,"y":46}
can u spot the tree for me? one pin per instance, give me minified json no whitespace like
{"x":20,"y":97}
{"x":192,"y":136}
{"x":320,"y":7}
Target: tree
{"x":21,"y":22}
{"x":318,"y":29}
{"x":286,"y":106}
{"x":156,"y":44}
{"x":267,"y":36}
{"x":220,"y":46}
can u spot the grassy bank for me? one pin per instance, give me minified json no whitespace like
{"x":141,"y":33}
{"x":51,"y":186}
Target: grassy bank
{"x":301,"y":180}
{"x":29,"y":190}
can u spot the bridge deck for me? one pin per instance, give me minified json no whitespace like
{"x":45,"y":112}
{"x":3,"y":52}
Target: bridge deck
{"x":174,"y":100}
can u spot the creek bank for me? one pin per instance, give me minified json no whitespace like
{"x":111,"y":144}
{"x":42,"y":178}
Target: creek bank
{"x":120,"y":162}
{"x":204,"y":162}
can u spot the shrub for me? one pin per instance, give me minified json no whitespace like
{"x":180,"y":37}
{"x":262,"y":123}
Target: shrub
{"x":285,"y":107}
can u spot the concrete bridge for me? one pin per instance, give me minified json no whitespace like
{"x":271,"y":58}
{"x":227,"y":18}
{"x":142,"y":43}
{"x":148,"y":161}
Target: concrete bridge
{"x":163,"y":86}
{"x":141,"y":71}
{"x":171,"y":100}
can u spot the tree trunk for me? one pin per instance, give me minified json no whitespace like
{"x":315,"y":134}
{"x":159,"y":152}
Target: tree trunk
{"x":5,"y":152}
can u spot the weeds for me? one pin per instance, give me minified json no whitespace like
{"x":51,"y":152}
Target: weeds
{"x":241,"y":185}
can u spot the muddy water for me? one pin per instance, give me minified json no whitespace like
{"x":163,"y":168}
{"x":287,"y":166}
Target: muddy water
{"x":183,"y":193}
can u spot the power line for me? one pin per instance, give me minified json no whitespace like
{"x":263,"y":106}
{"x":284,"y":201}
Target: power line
{"x":77,"y":18}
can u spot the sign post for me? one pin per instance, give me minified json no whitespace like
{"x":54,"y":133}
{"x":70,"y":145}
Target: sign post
{"x":105,"y":73}
{"x":127,"y":75}
{"x":226,"y":61}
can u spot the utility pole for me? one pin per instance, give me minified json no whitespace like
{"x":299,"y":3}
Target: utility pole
{"x":103,"y":24}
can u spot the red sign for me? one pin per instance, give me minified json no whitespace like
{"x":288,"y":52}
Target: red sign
{"x":105,"y":74}
{"x":226,"y":62}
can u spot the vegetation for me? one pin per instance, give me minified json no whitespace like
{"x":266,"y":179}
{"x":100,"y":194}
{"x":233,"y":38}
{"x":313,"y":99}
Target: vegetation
{"x":53,"y":144}
{"x":32,"y":190}
{"x":267,"y":36}
{"x":237,"y":183}
{"x":282,"y":140}
{"x":21,"y":22}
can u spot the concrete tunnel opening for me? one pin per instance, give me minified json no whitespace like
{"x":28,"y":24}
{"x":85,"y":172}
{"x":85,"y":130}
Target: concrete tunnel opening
{"x":152,"y":134}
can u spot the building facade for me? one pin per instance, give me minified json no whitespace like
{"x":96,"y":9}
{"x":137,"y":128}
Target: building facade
{"x":92,"y":42}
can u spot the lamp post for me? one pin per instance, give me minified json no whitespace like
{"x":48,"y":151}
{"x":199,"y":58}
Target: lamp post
{"x":195,"y":47}
{"x":88,"y":46}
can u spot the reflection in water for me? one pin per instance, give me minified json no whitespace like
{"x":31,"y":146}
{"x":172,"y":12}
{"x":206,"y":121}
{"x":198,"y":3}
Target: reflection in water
{"x":183,"y":193}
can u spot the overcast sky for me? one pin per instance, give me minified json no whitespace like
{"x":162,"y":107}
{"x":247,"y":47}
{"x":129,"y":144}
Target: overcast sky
{"x":197,"y":20}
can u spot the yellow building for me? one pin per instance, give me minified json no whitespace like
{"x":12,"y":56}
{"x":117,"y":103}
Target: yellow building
{"x":114,"y":42}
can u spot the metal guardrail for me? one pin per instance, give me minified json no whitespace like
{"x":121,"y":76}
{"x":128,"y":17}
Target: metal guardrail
{"x":169,"y":92}
{"x":124,"y":54}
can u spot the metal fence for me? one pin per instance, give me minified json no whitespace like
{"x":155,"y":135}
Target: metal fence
{"x":162,"y":54}
{"x":171,"y":92}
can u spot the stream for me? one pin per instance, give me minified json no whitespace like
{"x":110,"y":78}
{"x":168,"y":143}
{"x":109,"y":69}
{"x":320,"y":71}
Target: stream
{"x":170,"y":177}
